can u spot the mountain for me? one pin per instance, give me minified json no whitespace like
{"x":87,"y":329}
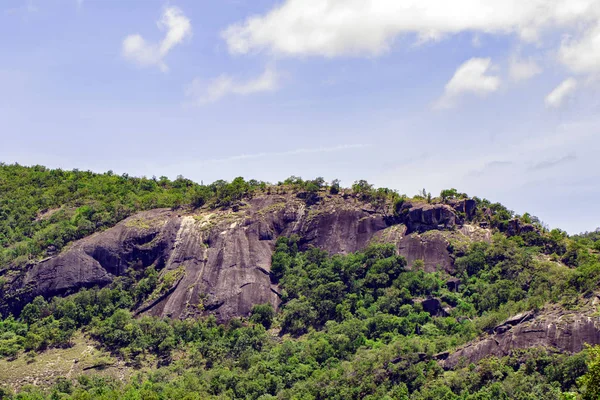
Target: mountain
{"x":300,"y":289}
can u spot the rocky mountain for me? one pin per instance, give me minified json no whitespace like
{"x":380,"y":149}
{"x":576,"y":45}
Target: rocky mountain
{"x":301,"y":289}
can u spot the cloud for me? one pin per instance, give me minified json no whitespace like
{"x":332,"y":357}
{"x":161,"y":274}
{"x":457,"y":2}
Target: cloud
{"x":556,"y":98}
{"x":471,"y":77}
{"x":357,"y":27}
{"x":177,"y":26}
{"x":582,"y":55}
{"x":520,"y":70}
{"x":553,"y":162}
{"x":224,"y":85}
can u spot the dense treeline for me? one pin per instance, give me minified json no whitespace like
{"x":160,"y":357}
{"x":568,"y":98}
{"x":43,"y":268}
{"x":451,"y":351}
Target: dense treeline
{"x":43,"y":209}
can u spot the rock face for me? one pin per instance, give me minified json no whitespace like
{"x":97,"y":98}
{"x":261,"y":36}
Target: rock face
{"x":467,"y":207}
{"x":425,"y":217}
{"x":516,"y":227}
{"x":220,"y":260}
{"x":145,"y":239}
{"x":552,"y":328}
{"x":432,"y":248}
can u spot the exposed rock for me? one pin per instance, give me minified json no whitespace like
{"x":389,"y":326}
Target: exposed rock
{"x":553,"y":328}
{"x":453,"y":284}
{"x":466,"y":206}
{"x":140,"y":241}
{"x":476,"y":233}
{"x":516,"y":227}
{"x":425,"y":217}
{"x":222,"y":259}
{"x":434,"y":307}
{"x":512,"y":321}
{"x":432,"y":248}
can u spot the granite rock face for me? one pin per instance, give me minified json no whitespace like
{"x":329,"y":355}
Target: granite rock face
{"x":432,"y":248}
{"x":221,"y":259}
{"x":554,"y":328}
{"x":425,"y":217}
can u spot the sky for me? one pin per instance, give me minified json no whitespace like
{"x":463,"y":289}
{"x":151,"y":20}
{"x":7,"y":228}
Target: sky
{"x":496,"y":98}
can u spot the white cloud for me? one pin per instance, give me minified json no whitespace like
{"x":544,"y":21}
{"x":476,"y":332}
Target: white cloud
{"x":177,"y":27}
{"x":582,"y":55}
{"x":520,"y":70}
{"x":224,"y":85}
{"x":358,"y":27}
{"x":561,"y":93}
{"x":471,"y":77}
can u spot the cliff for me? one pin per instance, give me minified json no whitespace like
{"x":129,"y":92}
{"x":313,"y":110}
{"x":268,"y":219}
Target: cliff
{"x":218,"y":261}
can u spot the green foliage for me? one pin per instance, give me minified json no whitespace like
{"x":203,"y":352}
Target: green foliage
{"x":263,"y":314}
{"x":352,"y":326}
{"x":590,"y":381}
{"x":449,"y":194}
{"x":361,"y":334}
{"x":335,"y":186}
{"x":42,"y":210}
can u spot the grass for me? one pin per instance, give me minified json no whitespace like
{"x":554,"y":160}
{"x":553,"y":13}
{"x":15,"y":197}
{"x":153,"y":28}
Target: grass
{"x":43,"y":369}
{"x":167,"y":281}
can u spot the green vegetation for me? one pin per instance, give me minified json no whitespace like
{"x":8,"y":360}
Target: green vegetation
{"x":42,"y":210}
{"x":349,"y":327}
{"x":354,"y":332}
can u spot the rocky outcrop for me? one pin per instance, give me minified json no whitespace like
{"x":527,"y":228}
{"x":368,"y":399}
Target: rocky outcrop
{"x":553,"y":328}
{"x":467,"y":207}
{"x":219,"y":260}
{"x":433,"y":306}
{"x":517,"y":227}
{"x":432,"y":248}
{"x":425,"y":217}
{"x":139,"y":241}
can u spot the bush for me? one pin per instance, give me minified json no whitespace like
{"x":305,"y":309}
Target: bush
{"x":263,"y":314}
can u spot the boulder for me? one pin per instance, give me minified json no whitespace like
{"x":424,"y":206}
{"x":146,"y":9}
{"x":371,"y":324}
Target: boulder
{"x":466,"y":206}
{"x":424,"y":217}
{"x":434,"y":307}
{"x":453,"y":284}
{"x":516,"y":227}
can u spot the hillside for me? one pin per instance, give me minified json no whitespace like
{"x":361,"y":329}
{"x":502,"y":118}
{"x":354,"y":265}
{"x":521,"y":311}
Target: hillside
{"x":300,"y":289}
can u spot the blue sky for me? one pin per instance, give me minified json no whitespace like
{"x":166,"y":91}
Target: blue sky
{"x":497,"y":98}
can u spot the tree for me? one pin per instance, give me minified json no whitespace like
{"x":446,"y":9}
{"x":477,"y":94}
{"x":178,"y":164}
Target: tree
{"x":449,"y":194}
{"x":361,"y":187}
{"x":590,"y":382}
{"x":263,"y":314}
{"x":335,"y":186}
